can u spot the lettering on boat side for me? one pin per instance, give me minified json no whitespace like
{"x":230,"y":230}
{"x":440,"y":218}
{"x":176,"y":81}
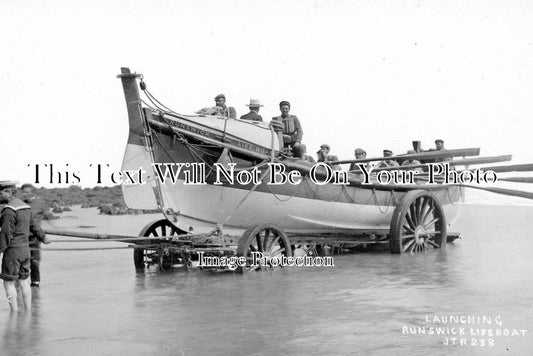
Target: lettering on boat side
{"x":189,"y":128}
{"x":249,"y":146}
{"x":228,"y":140}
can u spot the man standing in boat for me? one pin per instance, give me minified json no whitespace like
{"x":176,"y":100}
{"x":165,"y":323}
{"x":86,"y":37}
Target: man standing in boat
{"x":292,"y":130}
{"x":227,"y":111}
{"x":16,"y":223}
{"x":254,"y":110}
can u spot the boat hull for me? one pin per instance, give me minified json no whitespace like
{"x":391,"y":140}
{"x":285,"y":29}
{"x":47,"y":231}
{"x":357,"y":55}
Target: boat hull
{"x":304,"y":207}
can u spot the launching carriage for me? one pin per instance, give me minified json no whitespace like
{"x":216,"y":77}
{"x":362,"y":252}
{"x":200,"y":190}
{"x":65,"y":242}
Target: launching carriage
{"x":215,"y":215}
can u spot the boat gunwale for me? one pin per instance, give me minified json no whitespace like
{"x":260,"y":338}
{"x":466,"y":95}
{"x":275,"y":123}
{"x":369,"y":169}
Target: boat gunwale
{"x":301,"y":166}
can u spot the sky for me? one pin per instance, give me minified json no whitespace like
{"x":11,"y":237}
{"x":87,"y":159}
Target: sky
{"x":371,"y":74}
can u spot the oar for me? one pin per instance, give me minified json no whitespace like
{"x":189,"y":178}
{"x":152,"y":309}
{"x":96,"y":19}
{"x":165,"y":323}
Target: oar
{"x":423,"y":155}
{"x":499,"y":169}
{"x":112,"y":237}
{"x":512,"y":168}
{"x":518,"y":179}
{"x":458,"y":162}
{"x":511,"y":192}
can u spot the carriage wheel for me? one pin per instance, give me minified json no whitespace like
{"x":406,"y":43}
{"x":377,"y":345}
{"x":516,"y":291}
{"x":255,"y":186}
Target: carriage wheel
{"x":146,"y":257}
{"x":267,"y":239}
{"x":418,"y":224}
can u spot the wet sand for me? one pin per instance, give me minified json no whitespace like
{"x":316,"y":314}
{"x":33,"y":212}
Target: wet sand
{"x":94,"y":302}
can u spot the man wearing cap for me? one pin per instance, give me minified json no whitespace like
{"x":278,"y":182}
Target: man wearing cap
{"x":38,"y":209}
{"x":292,"y":130}
{"x":16,"y":223}
{"x":254,"y":110}
{"x":226,"y":111}
{"x":388,"y":162}
{"x":439,"y":146}
{"x":324,"y":156}
{"x":359,"y":154}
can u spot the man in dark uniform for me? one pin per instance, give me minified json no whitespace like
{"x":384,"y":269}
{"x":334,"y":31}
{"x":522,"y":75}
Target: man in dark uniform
{"x":16,"y":222}
{"x":254,"y":110}
{"x":38,"y":209}
{"x":227,"y":111}
{"x":292,"y":130}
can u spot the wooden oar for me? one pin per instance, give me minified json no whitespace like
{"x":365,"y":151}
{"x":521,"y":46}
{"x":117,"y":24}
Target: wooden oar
{"x":418,"y":156}
{"x":112,"y":237}
{"x":511,"y":192}
{"x":512,"y":168}
{"x":500,"y":169}
{"x":518,"y":179}
{"x":458,"y":162}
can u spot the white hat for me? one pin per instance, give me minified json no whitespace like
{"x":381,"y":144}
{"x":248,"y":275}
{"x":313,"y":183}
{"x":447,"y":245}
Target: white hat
{"x":255,"y":103}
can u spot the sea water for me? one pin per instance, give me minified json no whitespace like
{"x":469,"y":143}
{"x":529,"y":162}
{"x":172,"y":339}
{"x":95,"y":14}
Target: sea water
{"x":94,"y":302}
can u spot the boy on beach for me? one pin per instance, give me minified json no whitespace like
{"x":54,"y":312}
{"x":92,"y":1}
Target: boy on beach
{"x":16,"y":222}
{"x":38,"y":209}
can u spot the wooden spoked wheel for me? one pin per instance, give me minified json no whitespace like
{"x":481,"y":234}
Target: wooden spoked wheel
{"x":164,"y":258}
{"x":418,"y":224}
{"x":267,"y":241}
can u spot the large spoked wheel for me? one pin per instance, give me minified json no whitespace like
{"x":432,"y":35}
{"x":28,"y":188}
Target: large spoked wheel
{"x":263,"y":247}
{"x":418,"y":224}
{"x":146,"y":257}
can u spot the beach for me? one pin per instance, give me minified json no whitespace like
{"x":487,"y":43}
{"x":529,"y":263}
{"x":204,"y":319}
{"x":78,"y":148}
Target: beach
{"x":94,"y":302}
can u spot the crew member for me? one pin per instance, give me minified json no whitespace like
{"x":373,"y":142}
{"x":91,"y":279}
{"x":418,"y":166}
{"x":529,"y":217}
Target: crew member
{"x":16,"y":222}
{"x":410,"y":162}
{"x":38,"y":209}
{"x":359,"y":154}
{"x":226,"y":111}
{"x":253,"y":115}
{"x":439,"y":146}
{"x":388,"y":162}
{"x":324,"y":156}
{"x":292,"y":130}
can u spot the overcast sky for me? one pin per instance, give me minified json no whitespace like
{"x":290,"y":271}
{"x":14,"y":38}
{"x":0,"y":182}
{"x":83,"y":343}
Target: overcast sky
{"x":371,"y":74}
